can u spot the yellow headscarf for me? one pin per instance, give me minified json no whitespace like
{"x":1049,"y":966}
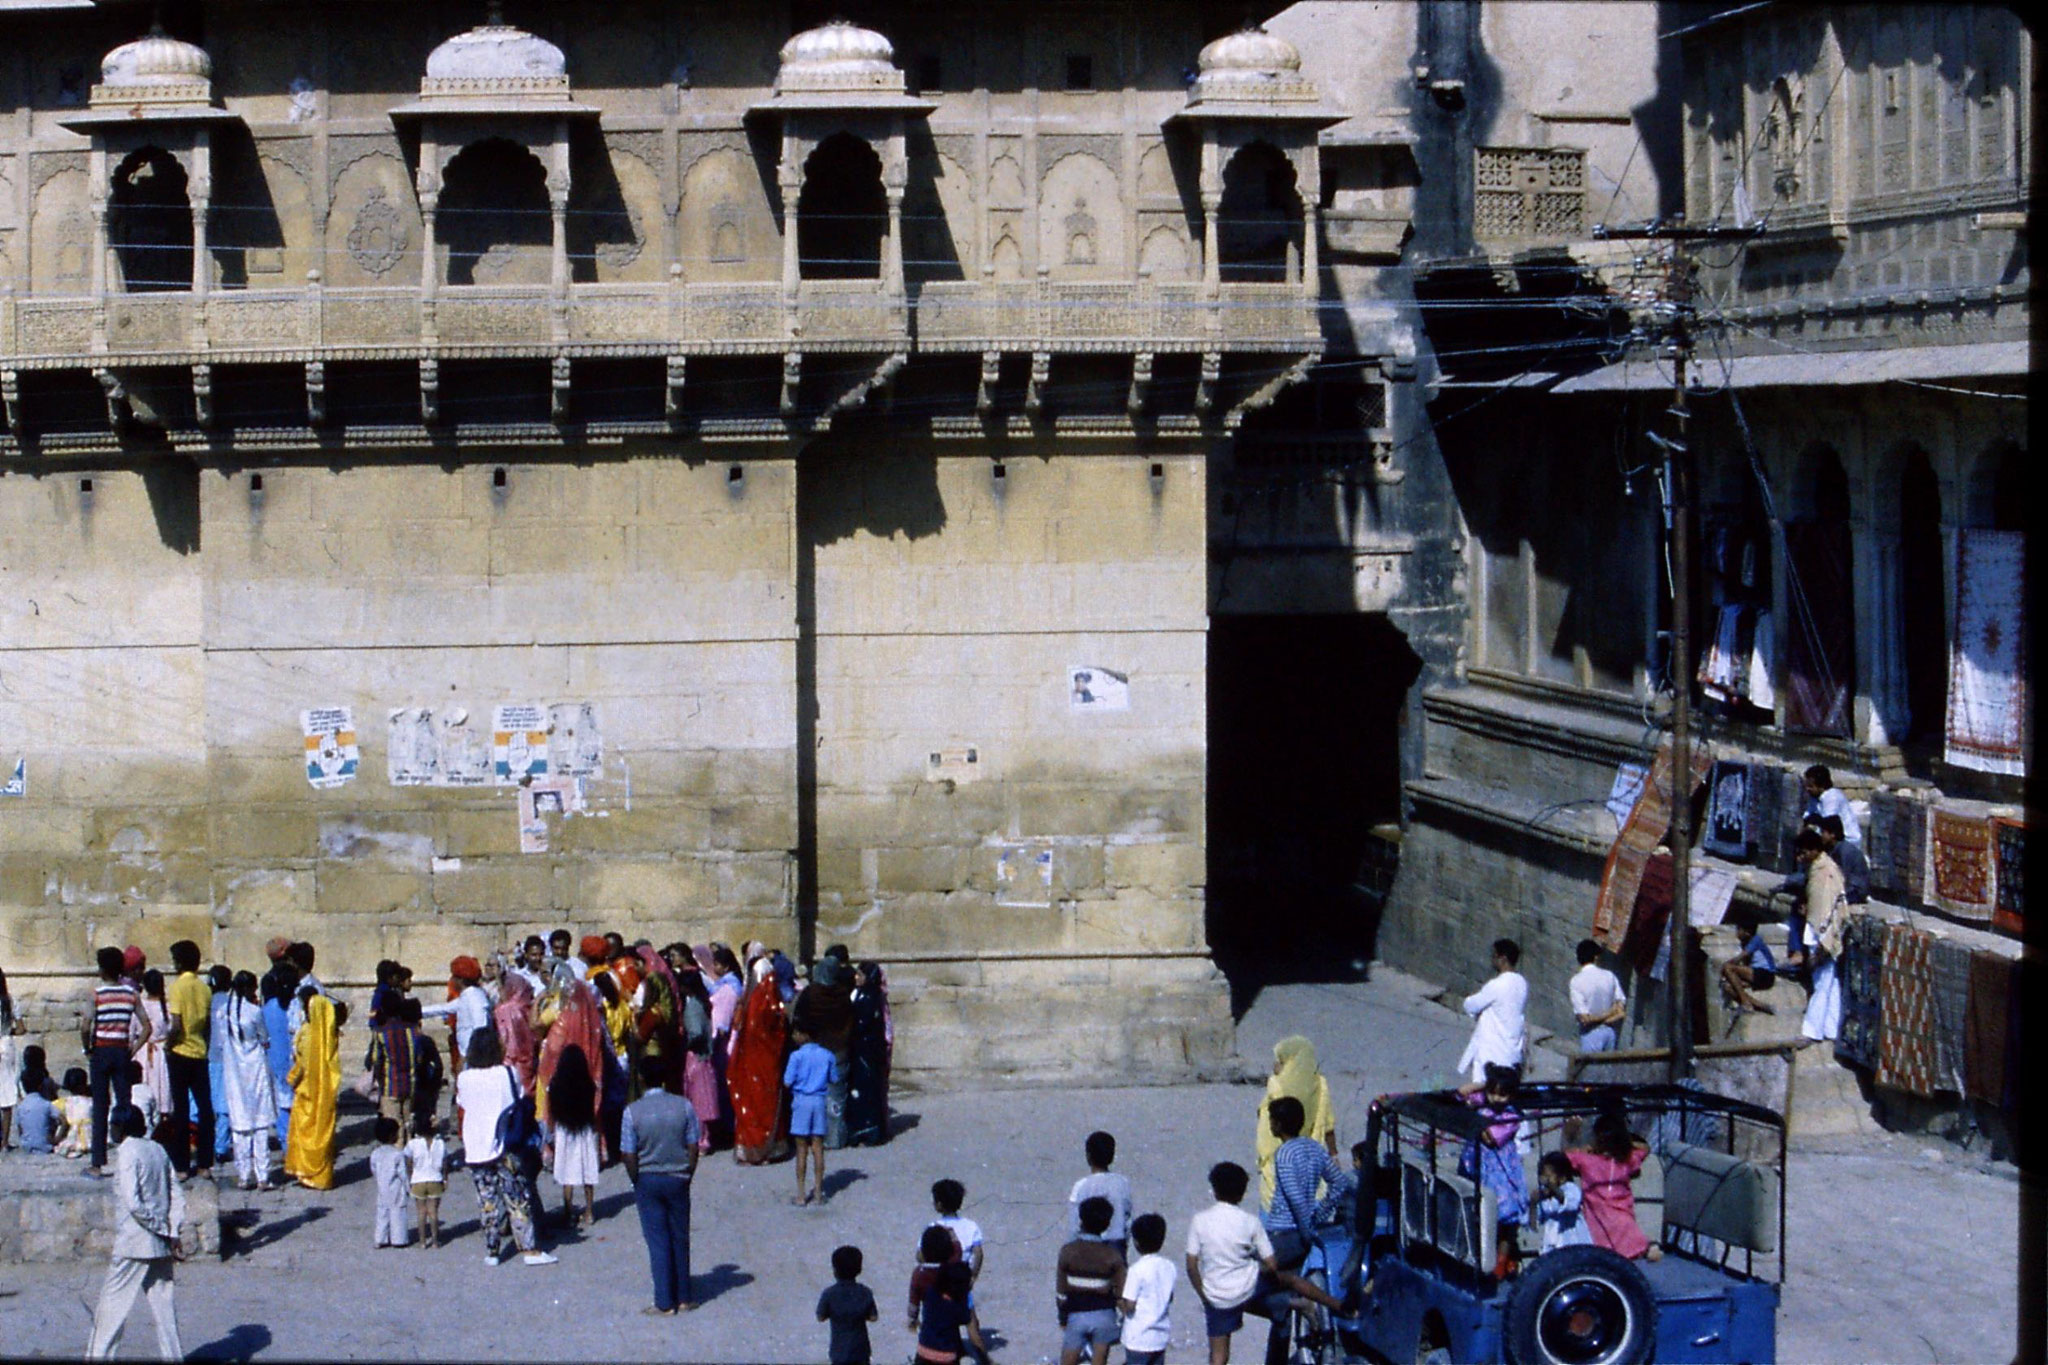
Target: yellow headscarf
{"x":1294,"y":1076}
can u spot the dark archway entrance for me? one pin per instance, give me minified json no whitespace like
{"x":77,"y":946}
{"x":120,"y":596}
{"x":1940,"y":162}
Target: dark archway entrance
{"x":841,"y":213}
{"x":1305,"y":718}
{"x":149,"y":223}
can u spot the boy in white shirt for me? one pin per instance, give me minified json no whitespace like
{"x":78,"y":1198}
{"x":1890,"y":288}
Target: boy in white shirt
{"x":1500,"y":1027}
{"x":1231,"y":1266}
{"x":1148,"y":1295}
{"x":1597,"y":1000}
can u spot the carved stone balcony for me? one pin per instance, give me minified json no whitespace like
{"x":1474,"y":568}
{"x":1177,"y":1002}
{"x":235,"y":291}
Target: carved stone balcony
{"x":1044,"y":315}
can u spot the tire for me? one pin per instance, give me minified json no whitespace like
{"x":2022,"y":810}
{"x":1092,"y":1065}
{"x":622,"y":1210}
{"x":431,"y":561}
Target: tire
{"x":1580,"y":1305}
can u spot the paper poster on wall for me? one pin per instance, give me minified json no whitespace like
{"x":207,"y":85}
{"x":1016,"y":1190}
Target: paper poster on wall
{"x":1628,"y":785}
{"x":331,"y":751}
{"x":1024,"y":874}
{"x":429,"y":748}
{"x":533,"y":829}
{"x":17,"y":785}
{"x":519,"y":743}
{"x":556,"y":797}
{"x":575,"y":744}
{"x":953,"y":765}
{"x":1097,"y":689}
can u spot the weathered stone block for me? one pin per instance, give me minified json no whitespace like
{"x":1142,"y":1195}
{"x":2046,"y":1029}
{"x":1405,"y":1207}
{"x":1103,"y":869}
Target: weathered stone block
{"x":498,"y":885}
{"x":680,"y":887}
{"x":264,"y":835}
{"x":1167,"y":867}
{"x":903,"y":870}
{"x":24,"y":879}
{"x":756,"y":883}
{"x":350,"y":889}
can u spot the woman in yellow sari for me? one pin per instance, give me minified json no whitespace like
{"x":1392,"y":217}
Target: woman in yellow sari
{"x":316,"y":1085}
{"x":1294,"y":1075}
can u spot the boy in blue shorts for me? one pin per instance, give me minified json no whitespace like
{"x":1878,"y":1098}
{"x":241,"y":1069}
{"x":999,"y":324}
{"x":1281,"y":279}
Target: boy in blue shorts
{"x":811,"y":1070}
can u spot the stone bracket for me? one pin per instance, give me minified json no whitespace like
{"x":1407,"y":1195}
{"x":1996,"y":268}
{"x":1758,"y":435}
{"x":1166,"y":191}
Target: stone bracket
{"x":10,"y":398}
{"x":1141,"y":385}
{"x":672,"y":393}
{"x":985,"y":391}
{"x":202,"y":394}
{"x":430,"y":390}
{"x":119,"y":414}
{"x":792,"y":376}
{"x":1034,"y":390}
{"x":316,"y":392}
{"x":1205,"y":386}
{"x":1263,"y":396}
{"x":558,"y":390}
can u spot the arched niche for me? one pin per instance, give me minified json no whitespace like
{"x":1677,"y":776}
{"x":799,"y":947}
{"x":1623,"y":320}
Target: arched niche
{"x":1922,"y":613}
{"x":495,"y":224}
{"x":727,"y":229}
{"x":1258,"y":232}
{"x":149,"y":222}
{"x":1081,"y":220}
{"x":1995,"y":496}
{"x":842,"y":212}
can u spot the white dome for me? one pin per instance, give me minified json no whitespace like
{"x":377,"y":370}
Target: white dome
{"x":157,"y":67}
{"x":497,"y":52}
{"x":1251,"y":64}
{"x":838,"y":56}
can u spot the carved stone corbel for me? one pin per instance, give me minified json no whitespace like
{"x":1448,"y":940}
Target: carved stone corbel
{"x":10,"y":399}
{"x":1141,"y":384}
{"x":430,"y":390}
{"x":672,"y":393}
{"x":1205,"y":385}
{"x":1263,"y":396}
{"x":202,"y":394}
{"x":316,"y":392}
{"x":792,"y":375}
{"x":1034,"y":390}
{"x":119,"y":414}
{"x":985,"y":391}
{"x":558,"y":390}
{"x":858,"y":394}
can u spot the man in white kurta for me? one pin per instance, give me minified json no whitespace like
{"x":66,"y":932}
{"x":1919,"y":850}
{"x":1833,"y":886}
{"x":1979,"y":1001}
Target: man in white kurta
{"x":149,"y":1207}
{"x":1500,"y":1032}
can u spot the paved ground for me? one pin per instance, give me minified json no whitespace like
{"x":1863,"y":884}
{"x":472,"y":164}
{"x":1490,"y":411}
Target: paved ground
{"x":1901,"y":1252}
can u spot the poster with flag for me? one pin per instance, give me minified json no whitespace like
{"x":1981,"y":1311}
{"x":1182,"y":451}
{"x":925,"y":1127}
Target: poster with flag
{"x":332,"y":755}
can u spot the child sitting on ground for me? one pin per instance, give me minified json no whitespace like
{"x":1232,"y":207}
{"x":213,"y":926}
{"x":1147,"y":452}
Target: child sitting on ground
{"x":426,"y":1160}
{"x":37,"y":1119}
{"x":1559,"y":1204}
{"x":394,"y":1185}
{"x":1495,"y":1159}
{"x":74,"y":1106}
{"x":1605,"y":1170}
{"x":143,"y":1100}
{"x":849,"y":1306}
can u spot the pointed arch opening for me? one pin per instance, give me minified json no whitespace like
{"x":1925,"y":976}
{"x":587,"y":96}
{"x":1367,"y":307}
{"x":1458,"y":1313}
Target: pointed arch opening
{"x":494,"y":220}
{"x":149,"y":222}
{"x":1923,"y":616}
{"x":842,"y":214}
{"x":1258,"y":229}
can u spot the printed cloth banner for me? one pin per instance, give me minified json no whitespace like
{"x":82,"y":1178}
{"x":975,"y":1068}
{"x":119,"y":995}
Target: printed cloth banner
{"x":1994,"y":1014}
{"x":1727,"y":832}
{"x":1860,"y":972}
{"x":1987,"y":683}
{"x":1962,"y":864}
{"x":1909,"y":851}
{"x":1906,"y":1026}
{"x":1775,"y":801}
{"x":1950,"y":971}
{"x":1651,"y":915}
{"x":1640,"y":834}
{"x":2010,"y":904}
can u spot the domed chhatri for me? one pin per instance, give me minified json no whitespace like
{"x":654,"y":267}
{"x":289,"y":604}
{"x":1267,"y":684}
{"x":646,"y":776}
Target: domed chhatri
{"x":838,"y":57}
{"x":156,"y":69}
{"x":496,"y":60}
{"x":1251,"y":65}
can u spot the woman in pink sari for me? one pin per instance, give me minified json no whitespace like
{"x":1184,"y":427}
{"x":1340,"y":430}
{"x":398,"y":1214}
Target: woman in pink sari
{"x":513,"y":1016}
{"x":700,"y":1077}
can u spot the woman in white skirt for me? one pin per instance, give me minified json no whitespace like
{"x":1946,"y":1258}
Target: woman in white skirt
{"x":10,"y":1062}
{"x":572,"y":1110}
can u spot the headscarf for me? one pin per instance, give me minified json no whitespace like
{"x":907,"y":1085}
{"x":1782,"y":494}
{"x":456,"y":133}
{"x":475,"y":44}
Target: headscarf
{"x":514,"y":1018}
{"x":825,"y":1010}
{"x":627,"y":971}
{"x":702,"y":954}
{"x":277,"y":948}
{"x":1295,"y":1077}
{"x":755,"y":949}
{"x":825,"y":971}
{"x":579,"y":1025}
{"x":656,"y":963}
{"x":133,"y":960}
{"x":592,"y":948}
{"x":785,"y":977}
{"x":463,"y":969}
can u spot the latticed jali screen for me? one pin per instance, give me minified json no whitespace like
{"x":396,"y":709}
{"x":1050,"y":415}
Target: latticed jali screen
{"x":1529,"y":192}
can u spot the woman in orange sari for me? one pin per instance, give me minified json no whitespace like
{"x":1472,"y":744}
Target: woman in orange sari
{"x":754,"y":1077}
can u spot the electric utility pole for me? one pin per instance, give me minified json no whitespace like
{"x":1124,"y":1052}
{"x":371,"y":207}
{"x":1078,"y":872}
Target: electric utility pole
{"x":1672,"y":321}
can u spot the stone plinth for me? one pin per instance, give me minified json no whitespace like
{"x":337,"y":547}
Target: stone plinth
{"x":51,"y":1211}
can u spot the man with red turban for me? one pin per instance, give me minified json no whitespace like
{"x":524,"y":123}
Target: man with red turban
{"x":467,"y":1004}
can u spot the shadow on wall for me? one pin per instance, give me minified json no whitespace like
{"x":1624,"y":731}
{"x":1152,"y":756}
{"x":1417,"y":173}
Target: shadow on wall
{"x":172,"y":484}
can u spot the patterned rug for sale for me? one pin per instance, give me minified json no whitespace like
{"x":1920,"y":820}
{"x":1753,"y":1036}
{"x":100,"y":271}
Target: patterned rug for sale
{"x":1906,"y":1052}
{"x":1961,"y":864}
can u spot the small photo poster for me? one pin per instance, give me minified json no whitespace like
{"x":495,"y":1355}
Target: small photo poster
{"x":519,"y":743}
{"x":17,"y":785}
{"x":1090,"y":688}
{"x":1024,"y":874}
{"x":331,"y":751}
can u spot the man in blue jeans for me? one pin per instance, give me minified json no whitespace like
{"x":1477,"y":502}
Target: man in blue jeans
{"x":658,"y":1139}
{"x":113,"y":1030}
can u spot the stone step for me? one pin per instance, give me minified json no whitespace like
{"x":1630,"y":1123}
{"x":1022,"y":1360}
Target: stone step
{"x":1827,"y":1096}
{"x":51,"y":1211}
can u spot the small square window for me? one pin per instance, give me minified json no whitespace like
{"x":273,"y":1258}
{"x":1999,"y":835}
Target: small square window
{"x":1080,"y":72}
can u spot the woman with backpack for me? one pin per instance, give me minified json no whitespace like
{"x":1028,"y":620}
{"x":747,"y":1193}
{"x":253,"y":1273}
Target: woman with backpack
{"x":501,"y":1147}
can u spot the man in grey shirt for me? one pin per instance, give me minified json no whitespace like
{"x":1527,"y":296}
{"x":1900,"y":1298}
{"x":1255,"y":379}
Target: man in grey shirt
{"x":149,"y":1206}
{"x":658,"y":1140}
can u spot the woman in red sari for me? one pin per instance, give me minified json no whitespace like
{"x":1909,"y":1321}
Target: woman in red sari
{"x":578,"y":1023}
{"x":514,"y":1018}
{"x":755,"y":1076}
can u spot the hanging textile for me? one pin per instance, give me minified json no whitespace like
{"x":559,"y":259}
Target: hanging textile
{"x":1762,"y":687}
{"x":1651,"y":914}
{"x":1727,"y":832}
{"x":1987,"y":684}
{"x":1775,"y":800}
{"x":1878,"y":829}
{"x":1646,"y":825}
{"x":1993,"y":1015}
{"x":1909,"y":851}
{"x":1949,"y":970}
{"x":2009,"y":912}
{"x":1860,"y":972}
{"x":1820,"y":671}
{"x":1906,"y":1026}
{"x":1962,"y":864}
{"x":1721,"y":667}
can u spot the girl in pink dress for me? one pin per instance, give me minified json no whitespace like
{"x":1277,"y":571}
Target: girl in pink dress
{"x":1605,"y":1171}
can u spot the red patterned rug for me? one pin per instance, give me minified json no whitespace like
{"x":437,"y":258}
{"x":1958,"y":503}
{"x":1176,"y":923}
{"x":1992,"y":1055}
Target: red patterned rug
{"x":1906,"y":1049}
{"x":1961,"y":864}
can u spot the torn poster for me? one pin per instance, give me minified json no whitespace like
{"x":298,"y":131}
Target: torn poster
{"x":331,"y":751}
{"x":1097,"y":689}
{"x":576,"y":745}
{"x":17,"y":785}
{"x":956,"y":765}
{"x":1628,"y":785}
{"x":429,"y":748}
{"x":519,"y":743}
{"x":533,"y":830}
{"x":1024,"y":874}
